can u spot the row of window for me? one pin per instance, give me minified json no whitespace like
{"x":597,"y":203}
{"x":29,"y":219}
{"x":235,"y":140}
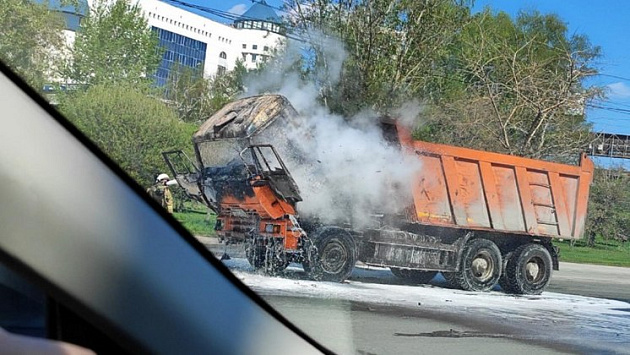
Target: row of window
{"x":178,"y":49}
{"x":258,"y":25}
{"x":180,"y":24}
{"x":254,"y":57}
{"x":168,"y":37}
{"x":225,"y":40}
{"x":172,"y":57}
{"x":255,"y":47}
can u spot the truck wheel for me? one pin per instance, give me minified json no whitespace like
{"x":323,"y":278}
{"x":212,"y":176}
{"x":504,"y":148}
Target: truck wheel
{"x":503,"y":280}
{"x":333,"y":258}
{"x":416,"y":276}
{"x":529,"y":270}
{"x":480,"y":267}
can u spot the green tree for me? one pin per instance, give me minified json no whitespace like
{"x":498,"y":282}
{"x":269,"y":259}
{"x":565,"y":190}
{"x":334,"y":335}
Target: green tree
{"x":187,"y":91}
{"x":130,"y":126}
{"x":31,"y":39}
{"x":608,"y":208}
{"x":226,"y":87}
{"x":523,"y":91}
{"x":196,"y":98}
{"x":395,"y":48}
{"x":114,"y":44}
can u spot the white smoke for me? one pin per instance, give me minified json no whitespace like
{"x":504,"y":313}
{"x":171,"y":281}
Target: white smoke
{"x":344,"y":167}
{"x":407,"y":114}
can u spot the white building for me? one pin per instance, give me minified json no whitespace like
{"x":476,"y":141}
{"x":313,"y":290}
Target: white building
{"x":194,"y":40}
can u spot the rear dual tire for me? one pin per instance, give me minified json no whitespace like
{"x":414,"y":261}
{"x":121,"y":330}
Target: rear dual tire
{"x":480,"y":266}
{"x":528,"y":271}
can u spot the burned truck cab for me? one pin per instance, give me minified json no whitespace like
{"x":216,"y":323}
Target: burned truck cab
{"x":244,"y":181}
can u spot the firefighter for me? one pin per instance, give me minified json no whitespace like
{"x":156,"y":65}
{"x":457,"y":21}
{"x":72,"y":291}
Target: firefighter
{"x":161,"y":193}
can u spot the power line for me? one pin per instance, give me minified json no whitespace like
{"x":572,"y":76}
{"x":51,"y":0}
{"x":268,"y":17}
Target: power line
{"x":609,"y":108}
{"x":612,"y":103}
{"x":614,"y":76}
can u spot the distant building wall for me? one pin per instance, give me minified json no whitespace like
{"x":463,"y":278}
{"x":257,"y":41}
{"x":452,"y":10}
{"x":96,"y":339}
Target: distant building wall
{"x":178,"y":50}
{"x":224,"y":44}
{"x":193,"y":40}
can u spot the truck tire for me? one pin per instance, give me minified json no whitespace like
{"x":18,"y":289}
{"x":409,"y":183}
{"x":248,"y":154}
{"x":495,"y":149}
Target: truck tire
{"x":504,"y":283}
{"x":415,"y":276}
{"x":333,"y":257}
{"x":528,"y":271}
{"x":480,"y":266}
{"x":503,"y":280}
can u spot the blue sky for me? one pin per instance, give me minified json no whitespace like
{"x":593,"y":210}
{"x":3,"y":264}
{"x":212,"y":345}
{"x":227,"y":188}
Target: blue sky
{"x":606,"y":23}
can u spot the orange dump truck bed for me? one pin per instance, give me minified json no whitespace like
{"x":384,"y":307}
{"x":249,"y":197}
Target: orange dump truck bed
{"x":474,"y":189}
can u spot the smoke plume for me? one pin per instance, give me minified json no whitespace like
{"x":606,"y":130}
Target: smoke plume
{"x":344,"y":167}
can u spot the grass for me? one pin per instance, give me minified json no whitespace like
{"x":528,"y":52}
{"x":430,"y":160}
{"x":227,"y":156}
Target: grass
{"x":605,"y":252}
{"x":196,"y":219}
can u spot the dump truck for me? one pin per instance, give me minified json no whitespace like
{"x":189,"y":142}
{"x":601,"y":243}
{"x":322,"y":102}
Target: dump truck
{"x":477,"y":217}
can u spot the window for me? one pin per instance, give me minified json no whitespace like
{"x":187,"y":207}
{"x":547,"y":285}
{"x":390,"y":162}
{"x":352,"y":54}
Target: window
{"x":253,"y":57}
{"x":266,"y":48}
{"x":255,"y":46}
{"x":222,"y":55}
{"x":244,"y":46}
{"x":220,"y":70}
{"x":179,"y":49}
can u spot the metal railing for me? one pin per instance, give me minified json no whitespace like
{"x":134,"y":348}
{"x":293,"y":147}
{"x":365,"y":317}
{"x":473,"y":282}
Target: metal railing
{"x":610,"y":145}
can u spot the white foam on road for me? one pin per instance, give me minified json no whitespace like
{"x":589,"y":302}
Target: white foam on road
{"x":551,"y":316}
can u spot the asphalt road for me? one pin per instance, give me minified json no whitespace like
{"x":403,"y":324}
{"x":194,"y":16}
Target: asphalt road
{"x":592,"y":280}
{"x":363,"y":327}
{"x":356,"y":328}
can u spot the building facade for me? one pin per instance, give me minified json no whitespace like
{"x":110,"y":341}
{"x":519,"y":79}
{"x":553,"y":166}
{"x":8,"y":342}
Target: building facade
{"x":196,"y":41}
{"x":199,"y":42}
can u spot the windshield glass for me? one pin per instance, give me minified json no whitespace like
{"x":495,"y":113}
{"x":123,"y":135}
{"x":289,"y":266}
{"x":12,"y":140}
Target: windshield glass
{"x":221,"y":152}
{"x":440,"y":169}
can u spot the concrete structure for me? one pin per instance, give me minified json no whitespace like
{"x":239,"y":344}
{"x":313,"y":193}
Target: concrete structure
{"x":197,"y":41}
{"x":610,"y":145}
